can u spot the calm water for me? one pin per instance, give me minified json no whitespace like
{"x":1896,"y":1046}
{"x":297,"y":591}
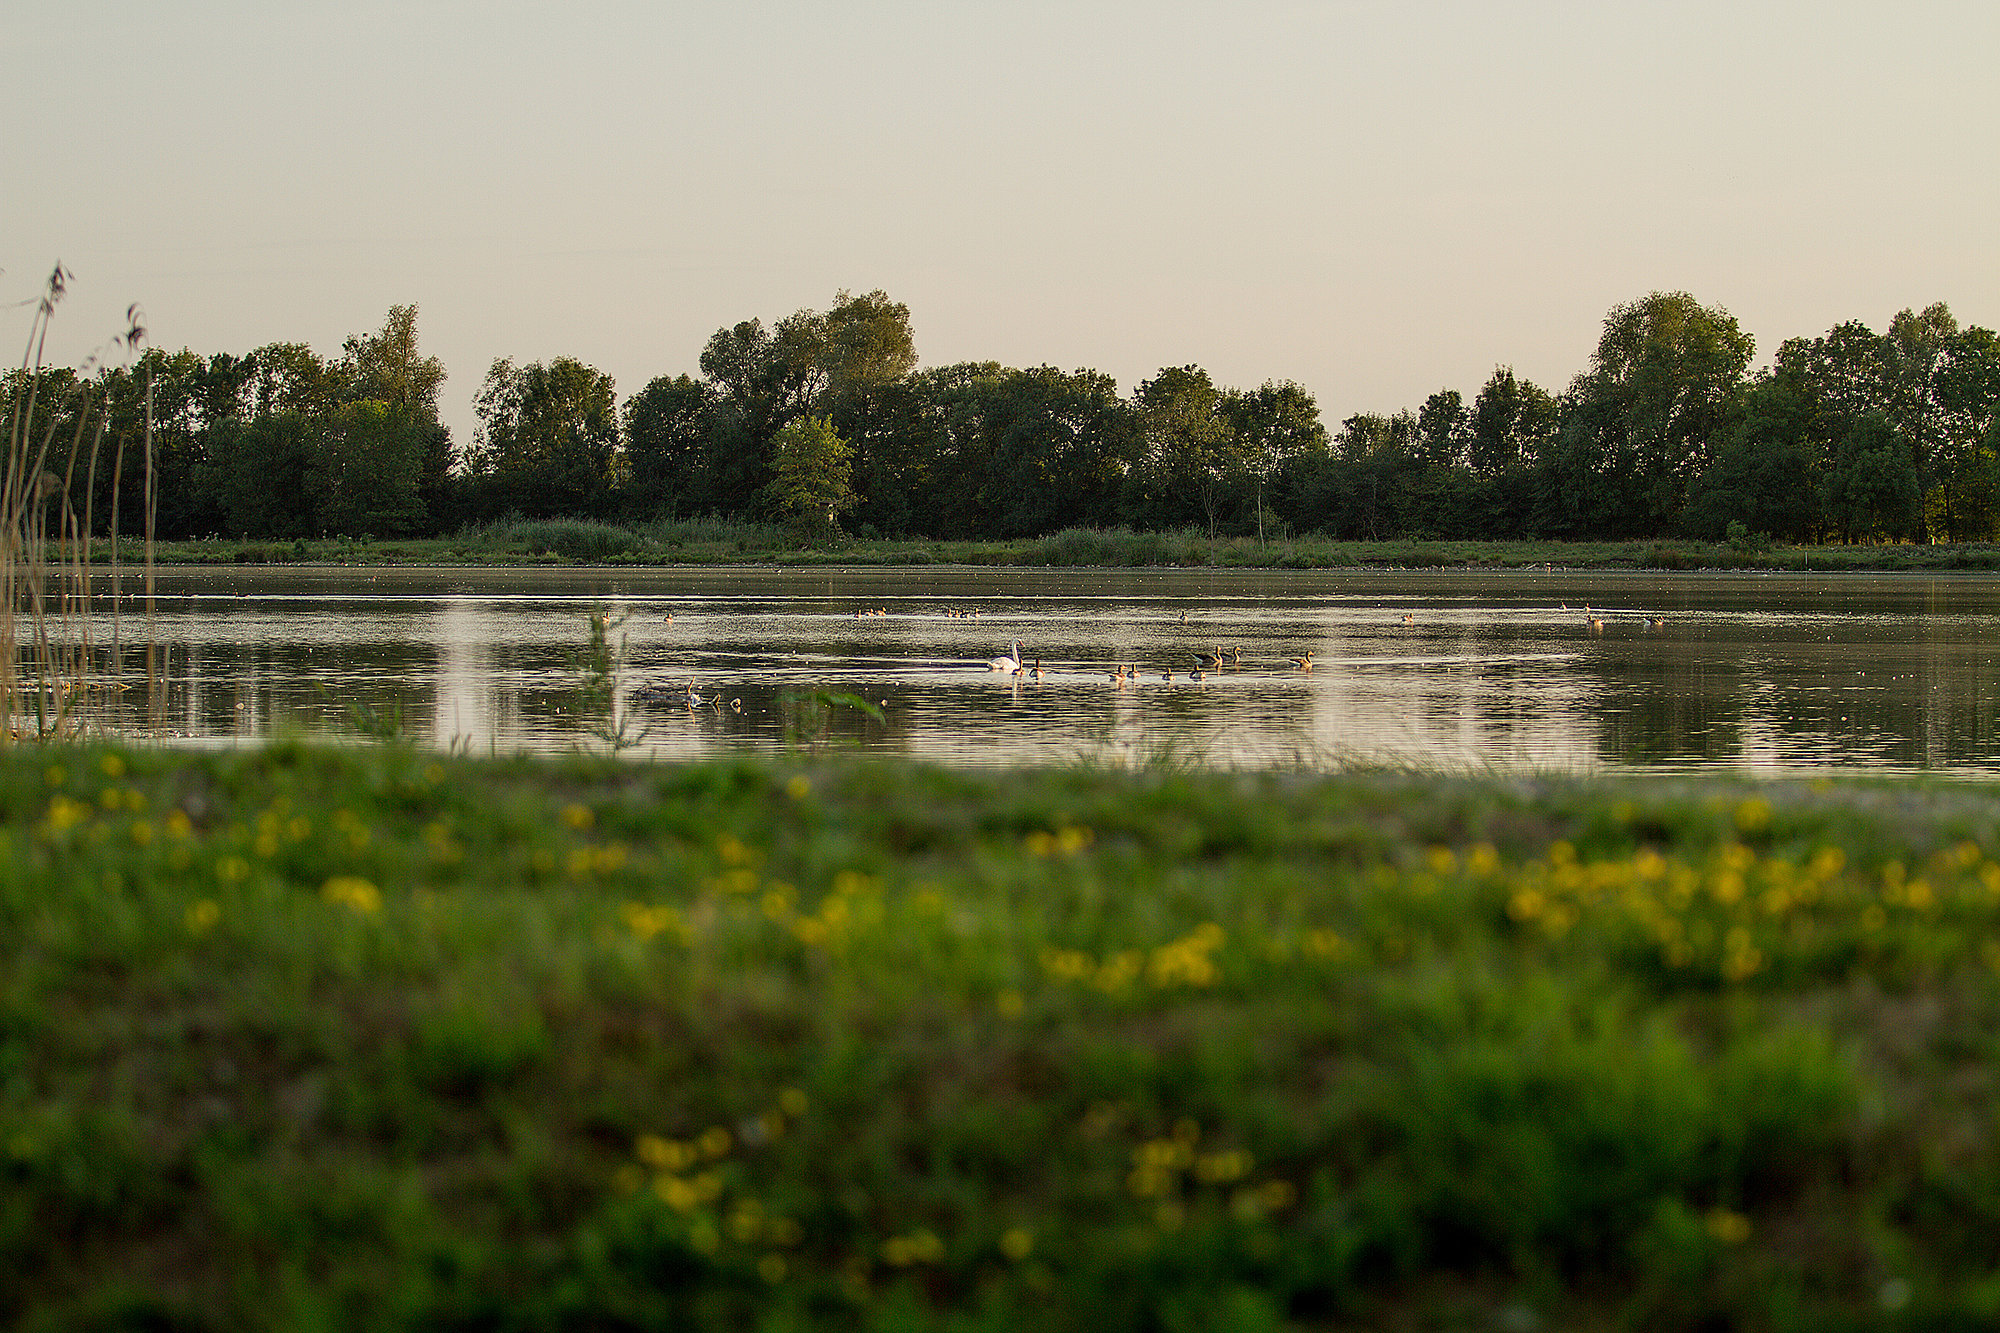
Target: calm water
{"x":1779,"y":673}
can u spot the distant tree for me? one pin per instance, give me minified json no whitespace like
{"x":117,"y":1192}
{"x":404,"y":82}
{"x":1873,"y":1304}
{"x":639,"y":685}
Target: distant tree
{"x":836,"y":364}
{"x":261,"y":467}
{"x":1190,"y":464}
{"x":364,"y":471}
{"x":1768,"y":473}
{"x":1658,"y":398}
{"x":1444,"y":429}
{"x":548,"y":436}
{"x":667,"y":429}
{"x":1872,"y":491}
{"x":811,"y":477}
{"x":1511,"y":422}
{"x":1278,"y":430}
{"x":385,"y":367}
{"x":1053,"y":447}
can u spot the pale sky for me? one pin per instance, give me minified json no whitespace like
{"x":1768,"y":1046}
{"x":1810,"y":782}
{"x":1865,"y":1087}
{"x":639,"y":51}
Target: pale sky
{"x":1377,"y":200}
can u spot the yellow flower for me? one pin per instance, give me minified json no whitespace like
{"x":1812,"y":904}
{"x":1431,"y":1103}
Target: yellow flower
{"x":1731,"y":1228}
{"x":578,"y":817}
{"x":1753,"y":815}
{"x":356,"y":892}
{"x":202,"y":916}
{"x":1016,"y":1243}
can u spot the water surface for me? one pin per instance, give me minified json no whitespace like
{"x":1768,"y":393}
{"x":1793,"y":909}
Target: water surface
{"x":1889,"y":673}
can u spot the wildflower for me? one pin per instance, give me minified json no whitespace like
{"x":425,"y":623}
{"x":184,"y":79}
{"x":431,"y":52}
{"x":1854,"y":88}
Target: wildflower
{"x":202,"y":916}
{"x":1186,"y":961}
{"x":663,"y":1154}
{"x":1219,"y":1168}
{"x":1009,"y":1004}
{"x":1727,"y":1226}
{"x":798,"y":788}
{"x":734,"y":853}
{"x":1324,"y":944}
{"x":1753,"y":815}
{"x":771,"y":1268}
{"x":356,"y":892}
{"x":792,"y":1102}
{"x":1441,"y":860}
{"x":578,"y":817}
{"x":1017,"y":1243}
{"x":919,"y":1247}
{"x":112,"y":765}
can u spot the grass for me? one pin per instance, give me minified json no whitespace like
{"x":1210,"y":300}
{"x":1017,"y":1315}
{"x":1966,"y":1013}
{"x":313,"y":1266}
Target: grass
{"x":718,"y":542}
{"x":326,"y":1038}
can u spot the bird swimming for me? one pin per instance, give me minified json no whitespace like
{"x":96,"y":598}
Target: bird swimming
{"x":1011,"y":662}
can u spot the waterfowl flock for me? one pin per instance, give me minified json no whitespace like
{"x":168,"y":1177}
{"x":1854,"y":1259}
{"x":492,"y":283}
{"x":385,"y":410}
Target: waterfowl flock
{"x":1214,"y":662}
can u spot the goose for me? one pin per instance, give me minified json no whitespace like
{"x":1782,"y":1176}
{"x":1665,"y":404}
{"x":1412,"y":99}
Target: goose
{"x":1118,"y":676}
{"x":1011,"y":662}
{"x":1214,"y":659}
{"x":1038,"y":668}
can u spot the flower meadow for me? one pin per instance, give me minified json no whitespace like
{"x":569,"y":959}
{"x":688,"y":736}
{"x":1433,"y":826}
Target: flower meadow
{"x":324,"y":1037}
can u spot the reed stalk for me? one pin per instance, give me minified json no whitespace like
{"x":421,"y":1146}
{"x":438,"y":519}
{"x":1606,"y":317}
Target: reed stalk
{"x":48,"y":656}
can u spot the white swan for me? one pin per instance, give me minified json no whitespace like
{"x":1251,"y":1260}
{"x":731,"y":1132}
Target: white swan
{"x":1012,"y":662}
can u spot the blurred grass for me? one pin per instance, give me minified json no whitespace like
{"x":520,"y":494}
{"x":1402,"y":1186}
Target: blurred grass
{"x":318,"y":1038}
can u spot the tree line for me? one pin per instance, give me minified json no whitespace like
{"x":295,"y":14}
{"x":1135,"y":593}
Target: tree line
{"x":824,"y":420}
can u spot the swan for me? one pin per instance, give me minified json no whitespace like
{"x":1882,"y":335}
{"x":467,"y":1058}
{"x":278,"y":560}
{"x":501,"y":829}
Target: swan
{"x":1304,"y":663}
{"x":1011,"y":662}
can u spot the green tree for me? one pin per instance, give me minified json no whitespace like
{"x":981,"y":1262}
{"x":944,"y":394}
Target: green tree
{"x":1444,"y":429}
{"x":668,"y":425}
{"x":548,"y":436}
{"x":386,"y":367}
{"x":1873,"y":491}
{"x":1189,"y":464}
{"x":1659,"y":396}
{"x":1054,"y":446}
{"x":811,"y":477}
{"x":1768,"y":474}
{"x":1277,"y":428}
{"x":364,"y":469}
{"x":1941,"y":388}
{"x":1511,"y":422}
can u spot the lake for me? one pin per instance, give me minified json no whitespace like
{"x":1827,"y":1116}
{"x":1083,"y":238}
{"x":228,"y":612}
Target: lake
{"x":1451,"y":669}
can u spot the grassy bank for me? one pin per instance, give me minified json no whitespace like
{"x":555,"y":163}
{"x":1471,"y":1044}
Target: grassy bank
{"x":361,"y":1039}
{"x":699,"y":542}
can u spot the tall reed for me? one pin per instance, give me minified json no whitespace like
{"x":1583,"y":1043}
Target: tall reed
{"x":48,"y":672}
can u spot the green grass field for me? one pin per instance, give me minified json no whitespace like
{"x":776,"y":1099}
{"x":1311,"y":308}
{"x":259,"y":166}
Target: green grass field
{"x":316,"y":1038}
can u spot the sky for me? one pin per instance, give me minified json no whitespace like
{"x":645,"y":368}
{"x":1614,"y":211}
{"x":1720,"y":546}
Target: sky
{"x":1376,"y":200}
